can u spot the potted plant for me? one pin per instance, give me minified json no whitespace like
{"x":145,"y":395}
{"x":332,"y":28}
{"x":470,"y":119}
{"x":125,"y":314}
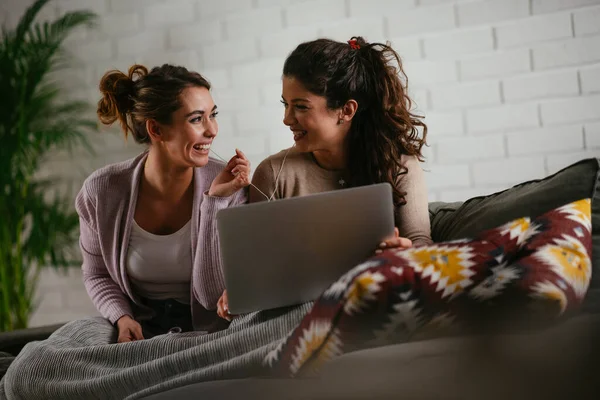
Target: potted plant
{"x":36,"y":230}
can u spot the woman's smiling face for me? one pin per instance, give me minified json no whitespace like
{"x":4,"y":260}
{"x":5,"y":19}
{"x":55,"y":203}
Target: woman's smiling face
{"x":187,"y":139}
{"x":314,"y":125}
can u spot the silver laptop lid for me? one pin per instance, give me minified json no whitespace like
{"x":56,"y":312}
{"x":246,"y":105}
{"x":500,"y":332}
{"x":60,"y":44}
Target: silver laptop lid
{"x":289,"y":251}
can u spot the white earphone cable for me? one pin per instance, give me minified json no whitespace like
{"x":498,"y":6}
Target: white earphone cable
{"x":269,"y":198}
{"x":279,"y":173}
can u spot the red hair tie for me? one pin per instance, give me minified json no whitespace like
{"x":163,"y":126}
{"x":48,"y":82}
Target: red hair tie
{"x":353,"y":44}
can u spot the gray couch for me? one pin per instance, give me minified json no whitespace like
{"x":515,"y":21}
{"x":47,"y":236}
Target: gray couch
{"x":554,"y":363}
{"x":559,"y":363}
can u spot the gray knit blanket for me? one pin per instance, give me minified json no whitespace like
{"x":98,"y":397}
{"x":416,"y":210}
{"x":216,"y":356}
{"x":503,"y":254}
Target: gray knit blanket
{"x":82,"y":361}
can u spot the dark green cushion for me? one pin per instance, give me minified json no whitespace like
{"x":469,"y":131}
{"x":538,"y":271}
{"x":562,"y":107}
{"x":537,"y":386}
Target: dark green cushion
{"x":13,"y":341}
{"x":451,"y":221}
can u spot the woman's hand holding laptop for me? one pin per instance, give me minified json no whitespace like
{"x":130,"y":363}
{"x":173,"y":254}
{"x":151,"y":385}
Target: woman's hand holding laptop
{"x":394,"y":241}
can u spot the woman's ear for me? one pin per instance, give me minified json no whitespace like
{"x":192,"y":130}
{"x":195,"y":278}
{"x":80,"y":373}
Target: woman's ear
{"x":348,"y":110}
{"x":153,"y":130}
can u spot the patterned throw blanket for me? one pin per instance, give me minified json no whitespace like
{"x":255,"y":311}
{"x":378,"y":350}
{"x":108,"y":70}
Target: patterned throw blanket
{"x":529,"y":269}
{"x":528,"y":273}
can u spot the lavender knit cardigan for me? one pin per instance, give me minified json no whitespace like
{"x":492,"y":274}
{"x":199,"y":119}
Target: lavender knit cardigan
{"x":106,"y":205}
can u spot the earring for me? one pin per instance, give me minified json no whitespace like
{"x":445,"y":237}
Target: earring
{"x":340,"y":121}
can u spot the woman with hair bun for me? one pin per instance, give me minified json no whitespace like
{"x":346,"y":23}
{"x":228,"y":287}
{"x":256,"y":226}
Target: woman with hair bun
{"x":151,"y":261}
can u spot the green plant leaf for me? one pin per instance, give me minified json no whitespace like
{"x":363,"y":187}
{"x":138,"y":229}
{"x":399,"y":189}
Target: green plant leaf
{"x":27,"y":19}
{"x":39,"y":226}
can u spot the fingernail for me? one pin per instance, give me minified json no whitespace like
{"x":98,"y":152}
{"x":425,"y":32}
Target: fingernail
{"x":378,"y":251}
{"x":383,"y":244}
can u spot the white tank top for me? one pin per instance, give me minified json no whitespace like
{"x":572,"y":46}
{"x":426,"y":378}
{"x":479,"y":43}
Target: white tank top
{"x":160,"y":266}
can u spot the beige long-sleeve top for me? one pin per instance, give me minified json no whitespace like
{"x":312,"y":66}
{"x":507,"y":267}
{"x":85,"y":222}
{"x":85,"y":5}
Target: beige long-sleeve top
{"x":301,"y":176}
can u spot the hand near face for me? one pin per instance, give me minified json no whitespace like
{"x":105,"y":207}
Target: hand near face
{"x":235,"y":176}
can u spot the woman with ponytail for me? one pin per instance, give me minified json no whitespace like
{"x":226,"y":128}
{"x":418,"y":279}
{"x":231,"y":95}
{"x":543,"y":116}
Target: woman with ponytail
{"x":151,"y":261}
{"x":348,"y":109}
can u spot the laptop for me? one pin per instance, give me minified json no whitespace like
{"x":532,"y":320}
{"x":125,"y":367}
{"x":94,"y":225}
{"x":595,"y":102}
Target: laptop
{"x":289,"y":251}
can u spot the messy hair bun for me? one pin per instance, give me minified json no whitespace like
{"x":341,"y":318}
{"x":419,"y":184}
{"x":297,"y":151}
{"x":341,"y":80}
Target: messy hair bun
{"x":118,"y":92}
{"x":141,"y":95}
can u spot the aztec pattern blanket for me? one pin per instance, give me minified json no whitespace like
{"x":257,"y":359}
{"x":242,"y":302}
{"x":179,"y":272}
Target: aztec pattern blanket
{"x":526,"y":272}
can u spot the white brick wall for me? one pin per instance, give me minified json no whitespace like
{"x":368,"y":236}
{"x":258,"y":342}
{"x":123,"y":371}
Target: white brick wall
{"x":448,"y":176}
{"x":218,"y":9}
{"x":545,"y":6}
{"x":421,"y":20}
{"x":120,"y":24}
{"x":140,"y":43}
{"x":61,"y":298}
{"x":471,"y":148}
{"x":590,"y":79}
{"x":490,"y":11}
{"x":279,"y":44}
{"x":379,"y":8}
{"x":232,"y":52}
{"x":257,"y":73}
{"x":543,"y":85}
{"x":510,"y":88}
{"x":444,"y":123}
{"x":545,"y":140}
{"x":571,"y":110}
{"x":342,"y":30}
{"x":100,"y":7}
{"x":462,"y":95}
{"x":168,"y":14}
{"x":184,"y":36}
{"x":315,"y":12}
{"x":118,"y":6}
{"x":592,"y":135}
{"x":577,"y":51}
{"x":408,"y":47}
{"x":504,"y":174}
{"x":458,"y":43}
{"x":586,"y":21}
{"x":99,"y":50}
{"x":503,"y":118}
{"x":253,"y":23}
{"x":532,"y":30}
{"x":497,"y":64}
{"x":426,"y":73}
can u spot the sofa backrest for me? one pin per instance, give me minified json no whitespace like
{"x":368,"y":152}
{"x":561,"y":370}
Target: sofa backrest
{"x":451,"y":221}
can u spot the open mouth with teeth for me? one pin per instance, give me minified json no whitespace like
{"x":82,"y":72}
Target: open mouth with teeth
{"x":299,"y":135}
{"x":202,"y":147}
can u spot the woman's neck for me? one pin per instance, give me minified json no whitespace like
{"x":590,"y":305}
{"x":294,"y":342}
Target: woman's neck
{"x":333,"y":160}
{"x":165,"y":181}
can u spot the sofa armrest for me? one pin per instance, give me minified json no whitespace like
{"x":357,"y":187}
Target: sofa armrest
{"x":12,"y":342}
